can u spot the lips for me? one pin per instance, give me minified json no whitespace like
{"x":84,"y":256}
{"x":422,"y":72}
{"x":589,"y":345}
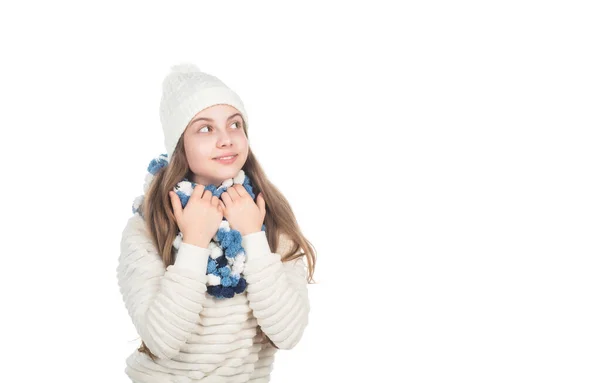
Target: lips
{"x":225,"y":155}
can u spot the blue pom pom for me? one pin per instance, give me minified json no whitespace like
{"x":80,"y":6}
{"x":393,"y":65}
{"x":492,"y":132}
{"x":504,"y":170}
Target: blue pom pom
{"x":212,"y":266}
{"x":226,"y":240}
{"x":227,"y":292}
{"x":215,"y":290}
{"x":224,"y":271}
{"x":234,"y":244}
{"x":226,"y":281}
{"x":156,"y":164}
{"x":221,"y":233}
{"x":221,"y":261}
{"x":241,"y":286}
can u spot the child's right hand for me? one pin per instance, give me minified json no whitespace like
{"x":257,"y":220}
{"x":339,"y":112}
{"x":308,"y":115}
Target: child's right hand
{"x":200,"y":219}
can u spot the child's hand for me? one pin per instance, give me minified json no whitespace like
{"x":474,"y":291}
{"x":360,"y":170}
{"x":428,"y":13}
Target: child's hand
{"x":201,"y":217}
{"x":240,"y":210}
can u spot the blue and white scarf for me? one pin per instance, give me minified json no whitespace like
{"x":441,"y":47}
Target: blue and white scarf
{"x":227,"y":258}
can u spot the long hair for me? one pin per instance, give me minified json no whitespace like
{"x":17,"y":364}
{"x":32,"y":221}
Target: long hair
{"x":279,"y":217}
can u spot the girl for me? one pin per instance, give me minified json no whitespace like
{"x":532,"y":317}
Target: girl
{"x":209,"y":299}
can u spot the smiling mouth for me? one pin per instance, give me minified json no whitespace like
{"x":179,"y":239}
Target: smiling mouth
{"x":226,"y":157}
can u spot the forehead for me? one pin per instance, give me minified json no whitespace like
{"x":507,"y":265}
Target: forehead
{"x":216,"y":112}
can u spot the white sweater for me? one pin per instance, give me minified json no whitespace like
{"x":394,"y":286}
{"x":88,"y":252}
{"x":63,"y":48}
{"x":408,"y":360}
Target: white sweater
{"x":196,"y":337}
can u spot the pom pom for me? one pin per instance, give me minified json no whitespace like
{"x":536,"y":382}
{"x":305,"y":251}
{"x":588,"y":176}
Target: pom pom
{"x":241,"y":286}
{"x":147,"y":181}
{"x":235,"y":245}
{"x":227,"y":292}
{"x":222,"y":236}
{"x":240,"y":177}
{"x":137,"y":203}
{"x":177,"y":241}
{"x":214,"y":290}
{"x":157,"y":163}
{"x":216,"y":252}
{"x":214,"y":280}
{"x":221,"y":262}
{"x":224,"y":271}
{"x":224,"y":225}
{"x":184,"y":188}
{"x":226,"y":240}
{"x":212,"y":266}
{"x":227,"y":183}
{"x":238,"y":266}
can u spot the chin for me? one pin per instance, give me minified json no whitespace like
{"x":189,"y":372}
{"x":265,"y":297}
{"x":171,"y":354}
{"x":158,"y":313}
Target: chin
{"x":228,"y":172}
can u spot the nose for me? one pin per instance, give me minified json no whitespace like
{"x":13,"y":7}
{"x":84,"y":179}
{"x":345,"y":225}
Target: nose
{"x":224,"y":139}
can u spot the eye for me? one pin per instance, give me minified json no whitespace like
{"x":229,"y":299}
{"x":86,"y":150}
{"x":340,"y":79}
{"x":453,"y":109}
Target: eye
{"x":237,"y":123}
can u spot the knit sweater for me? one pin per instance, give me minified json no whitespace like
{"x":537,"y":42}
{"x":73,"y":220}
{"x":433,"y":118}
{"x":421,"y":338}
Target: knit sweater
{"x":200,"y":338}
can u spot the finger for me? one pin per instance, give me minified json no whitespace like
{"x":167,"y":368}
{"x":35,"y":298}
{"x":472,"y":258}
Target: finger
{"x":207,"y":195}
{"x":176,"y":203}
{"x":243,"y":192}
{"x":214,"y":201}
{"x":226,"y":197}
{"x":234,"y":192}
{"x":197,"y":192}
{"x":240,"y":189}
{"x":222,"y":208}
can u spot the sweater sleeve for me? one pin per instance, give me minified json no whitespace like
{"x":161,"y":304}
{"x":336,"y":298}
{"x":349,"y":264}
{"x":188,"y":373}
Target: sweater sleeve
{"x":163,"y":303}
{"x":277,"y":291}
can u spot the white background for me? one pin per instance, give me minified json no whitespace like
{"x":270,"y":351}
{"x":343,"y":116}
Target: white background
{"x":442,"y":157}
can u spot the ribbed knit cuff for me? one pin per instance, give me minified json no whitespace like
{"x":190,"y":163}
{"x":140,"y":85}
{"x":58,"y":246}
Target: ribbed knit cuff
{"x":192,"y":257}
{"x":256,"y":244}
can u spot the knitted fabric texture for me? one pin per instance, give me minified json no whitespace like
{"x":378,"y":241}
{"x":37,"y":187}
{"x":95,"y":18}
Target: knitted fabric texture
{"x":227,"y":258}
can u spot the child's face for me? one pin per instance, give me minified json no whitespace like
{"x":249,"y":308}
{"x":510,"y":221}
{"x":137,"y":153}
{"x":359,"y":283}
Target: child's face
{"x":205,"y":139}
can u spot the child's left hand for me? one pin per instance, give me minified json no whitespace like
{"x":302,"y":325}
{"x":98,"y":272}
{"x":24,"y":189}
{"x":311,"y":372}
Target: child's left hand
{"x":240,"y":210}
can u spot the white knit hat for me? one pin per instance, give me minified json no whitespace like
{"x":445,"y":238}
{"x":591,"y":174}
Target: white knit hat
{"x":187,"y":91}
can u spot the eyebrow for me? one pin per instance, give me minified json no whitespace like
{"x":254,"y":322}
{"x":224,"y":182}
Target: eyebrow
{"x":210,"y":119}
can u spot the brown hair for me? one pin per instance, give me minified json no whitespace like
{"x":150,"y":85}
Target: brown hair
{"x":279,"y":218}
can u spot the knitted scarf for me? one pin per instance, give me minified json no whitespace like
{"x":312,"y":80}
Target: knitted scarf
{"x":227,"y":258}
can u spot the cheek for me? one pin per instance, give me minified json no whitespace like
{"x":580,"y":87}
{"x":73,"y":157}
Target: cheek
{"x":242,"y":142}
{"x":198,"y":153}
